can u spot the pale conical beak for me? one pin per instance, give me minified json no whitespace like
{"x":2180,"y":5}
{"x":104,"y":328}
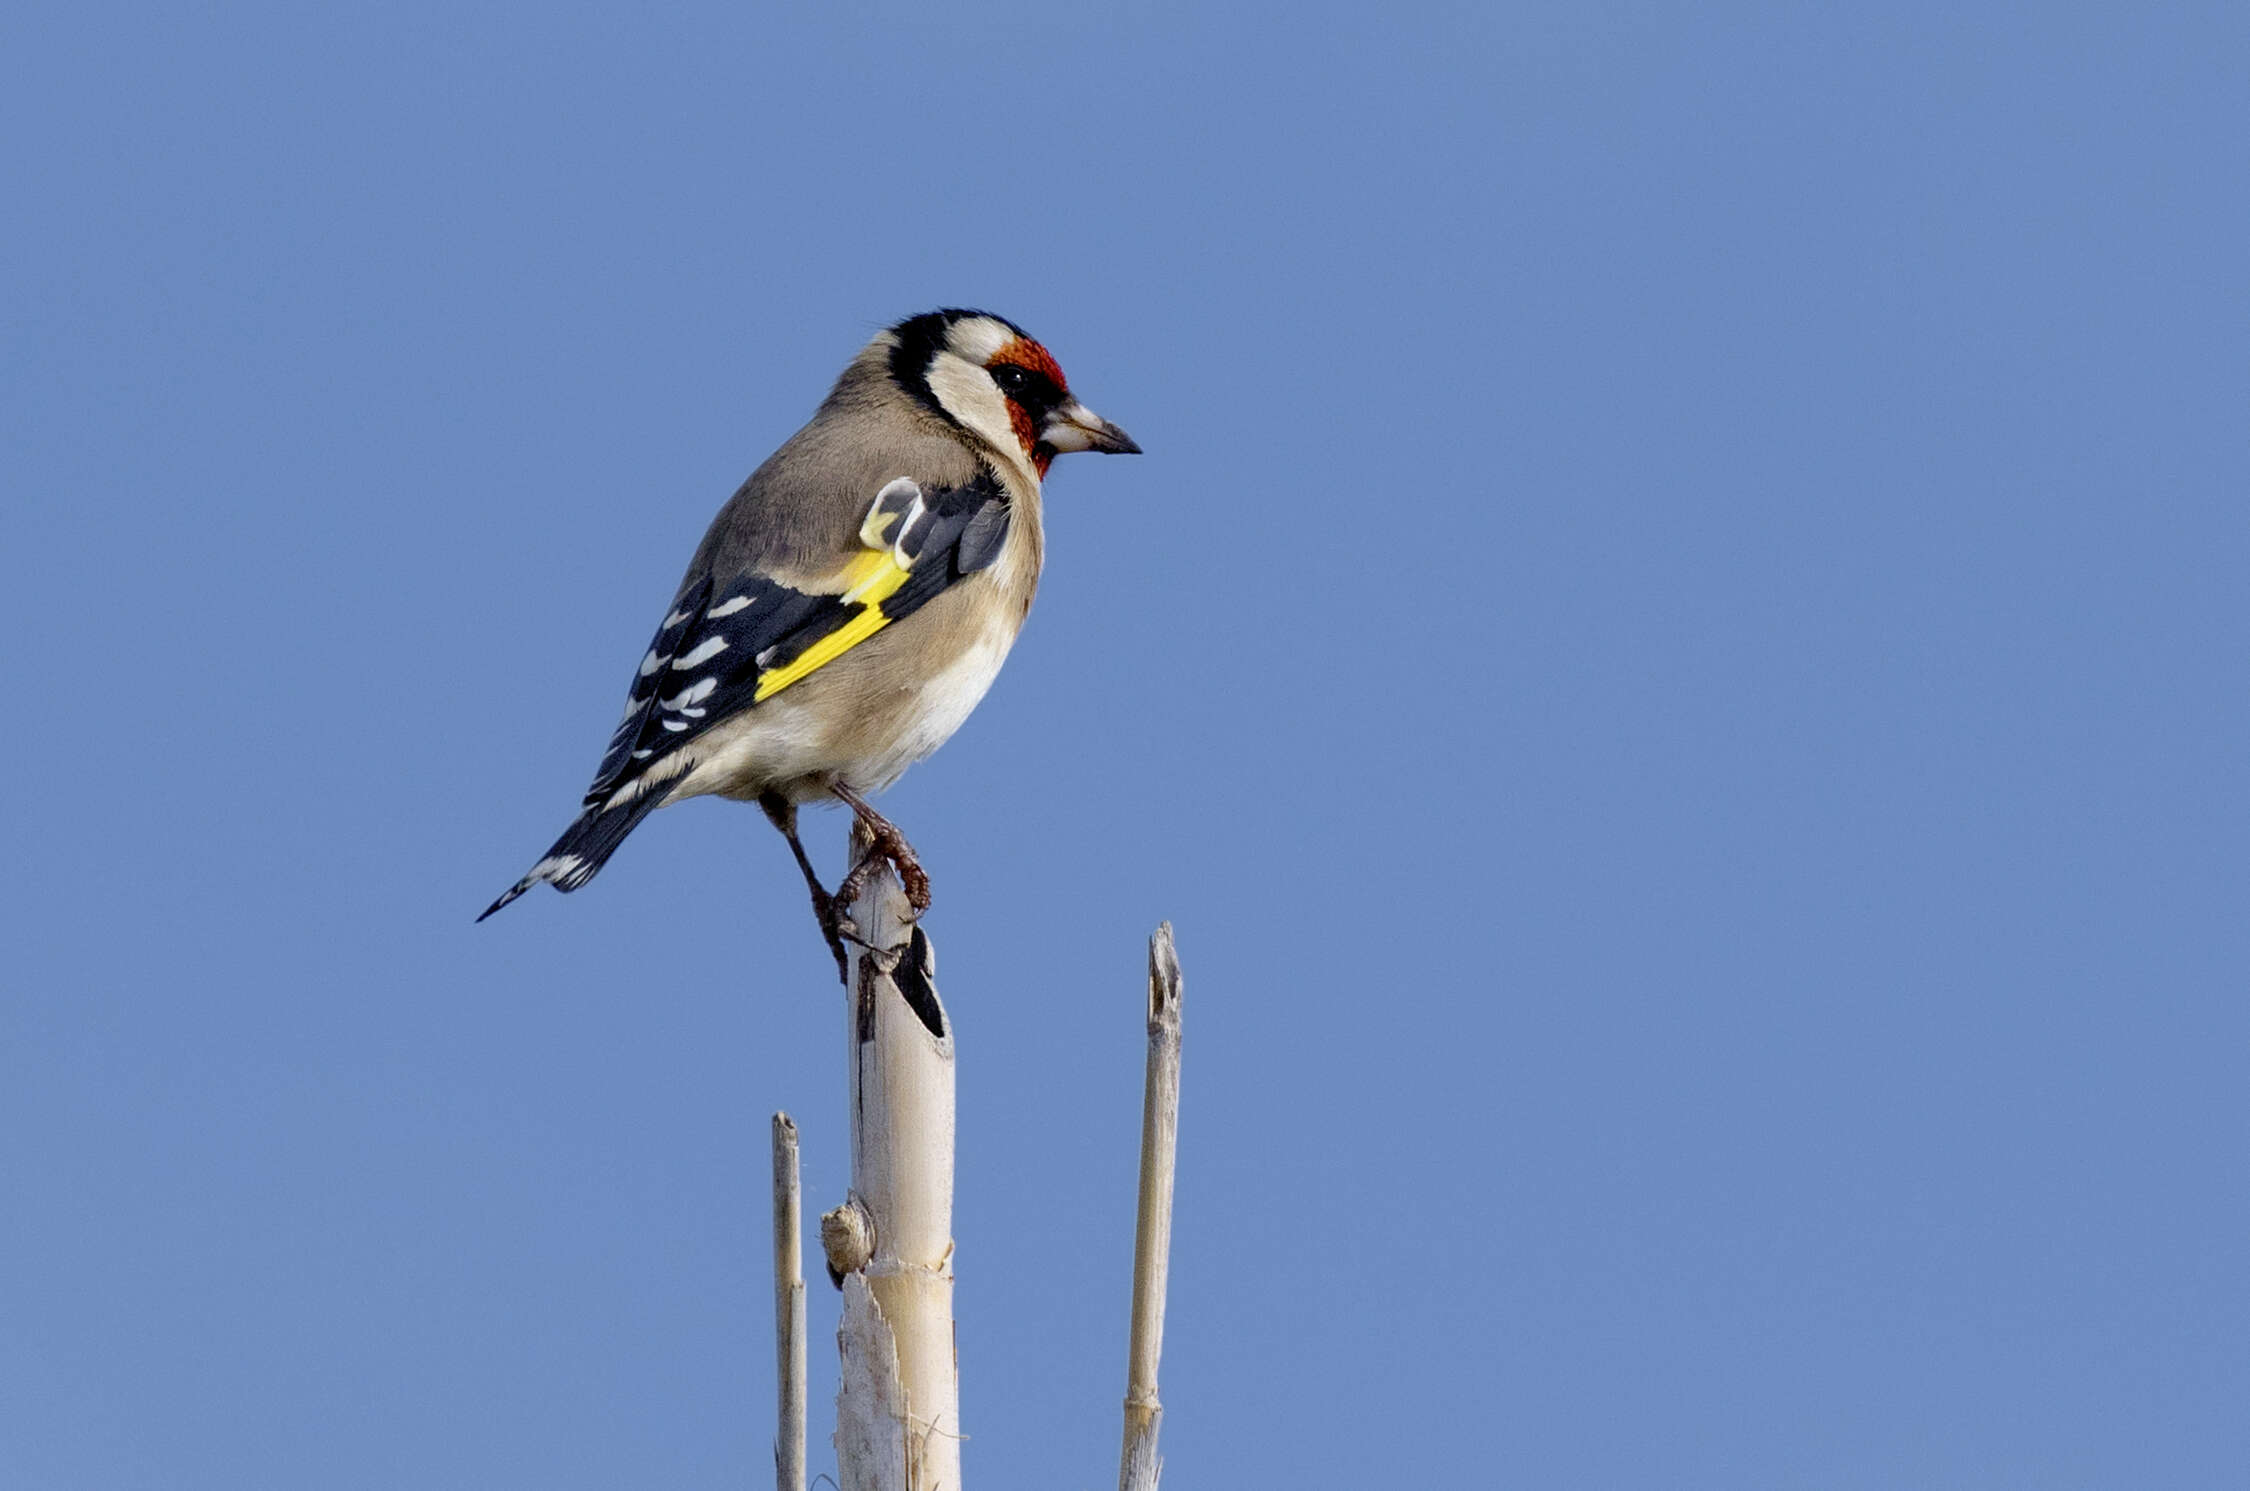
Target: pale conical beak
{"x":1076,"y":427}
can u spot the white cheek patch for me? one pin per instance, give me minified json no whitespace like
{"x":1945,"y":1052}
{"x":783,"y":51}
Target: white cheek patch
{"x":970,"y":396}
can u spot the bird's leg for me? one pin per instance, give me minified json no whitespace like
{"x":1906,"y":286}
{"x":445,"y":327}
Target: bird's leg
{"x":889,"y":844}
{"x":783,"y":815}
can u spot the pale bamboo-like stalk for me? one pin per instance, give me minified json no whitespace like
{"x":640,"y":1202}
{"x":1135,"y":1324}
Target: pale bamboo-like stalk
{"x":1139,"y":1465}
{"x":898,"y":1405}
{"x":788,"y":1310}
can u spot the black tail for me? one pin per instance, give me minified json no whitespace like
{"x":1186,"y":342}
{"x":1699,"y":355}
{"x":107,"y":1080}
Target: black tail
{"x":584,"y":847}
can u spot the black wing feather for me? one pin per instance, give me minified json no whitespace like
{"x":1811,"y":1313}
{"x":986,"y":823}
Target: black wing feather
{"x":708,"y":668}
{"x":721,"y":638}
{"x":670,"y":641}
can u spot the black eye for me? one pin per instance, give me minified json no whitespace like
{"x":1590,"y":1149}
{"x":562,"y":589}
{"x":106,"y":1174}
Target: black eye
{"x":1013,"y":380}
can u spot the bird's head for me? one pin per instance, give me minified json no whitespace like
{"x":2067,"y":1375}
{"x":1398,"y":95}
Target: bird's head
{"x":985,"y":375}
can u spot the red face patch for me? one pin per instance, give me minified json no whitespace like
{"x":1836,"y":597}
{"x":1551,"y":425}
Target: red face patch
{"x":1023,"y":352}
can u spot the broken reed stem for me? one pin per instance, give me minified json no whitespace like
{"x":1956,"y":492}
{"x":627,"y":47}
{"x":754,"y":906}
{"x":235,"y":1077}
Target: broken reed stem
{"x":1139,"y":1465}
{"x":889,"y":1245}
{"x":898,"y":1422}
{"x":788,"y":1310}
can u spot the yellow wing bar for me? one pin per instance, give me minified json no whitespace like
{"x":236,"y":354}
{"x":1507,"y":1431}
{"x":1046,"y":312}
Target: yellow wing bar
{"x":869,"y":580}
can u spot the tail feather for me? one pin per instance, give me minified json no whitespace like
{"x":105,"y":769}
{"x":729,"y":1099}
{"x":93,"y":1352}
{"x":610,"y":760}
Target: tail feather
{"x":584,"y":847}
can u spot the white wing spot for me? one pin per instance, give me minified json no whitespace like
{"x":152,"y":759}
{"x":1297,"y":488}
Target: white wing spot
{"x":899,"y":498}
{"x":672,"y":724}
{"x":651,"y":663}
{"x":704,"y":651}
{"x":677,"y":617}
{"x":739,"y":603}
{"x":694,"y":693}
{"x":906,"y":535}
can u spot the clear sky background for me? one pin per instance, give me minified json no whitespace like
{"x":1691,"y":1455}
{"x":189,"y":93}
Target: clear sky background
{"x":1677,"y":657}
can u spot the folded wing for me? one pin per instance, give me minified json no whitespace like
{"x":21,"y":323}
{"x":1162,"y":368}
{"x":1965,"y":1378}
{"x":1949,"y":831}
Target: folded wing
{"x":730,"y":643}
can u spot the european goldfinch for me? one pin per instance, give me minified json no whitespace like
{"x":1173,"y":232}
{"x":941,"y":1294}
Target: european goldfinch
{"x":852,"y":602}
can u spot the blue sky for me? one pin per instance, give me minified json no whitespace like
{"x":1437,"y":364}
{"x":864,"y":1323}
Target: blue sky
{"x":1676,"y":657}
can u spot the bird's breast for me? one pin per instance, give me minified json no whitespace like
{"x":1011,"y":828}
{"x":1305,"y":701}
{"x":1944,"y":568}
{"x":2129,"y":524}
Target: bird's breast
{"x":943,"y":703}
{"x":890,"y":701}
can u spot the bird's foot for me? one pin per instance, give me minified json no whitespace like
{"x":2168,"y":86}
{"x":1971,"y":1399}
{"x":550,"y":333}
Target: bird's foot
{"x":886,"y":846}
{"x":894,"y":851}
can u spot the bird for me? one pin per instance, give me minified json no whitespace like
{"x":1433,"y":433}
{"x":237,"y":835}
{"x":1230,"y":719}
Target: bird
{"x":850,"y":604}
